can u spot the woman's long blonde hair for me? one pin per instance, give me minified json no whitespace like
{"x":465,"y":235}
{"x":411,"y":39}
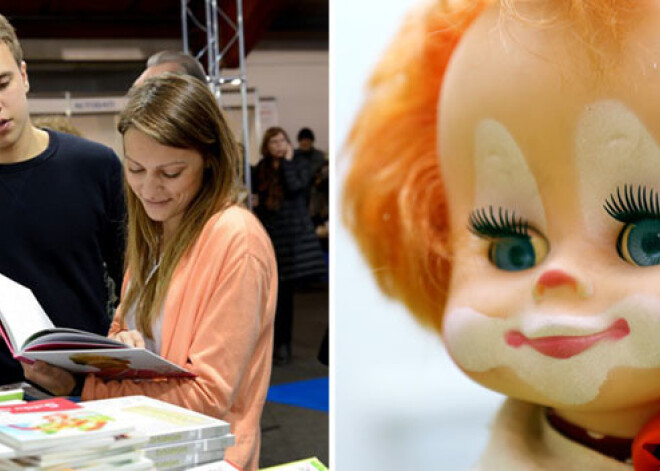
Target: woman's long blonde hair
{"x":394,"y":200}
{"x":175,"y":111}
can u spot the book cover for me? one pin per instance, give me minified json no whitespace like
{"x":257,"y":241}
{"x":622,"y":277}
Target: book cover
{"x":218,"y":466}
{"x":75,"y":452}
{"x":30,"y":335}
{"x":117,"y":363}
{"x":143,"y":464}
{"x":55,"y":421}
{"x":185,"y":448}
{"x":162,"y":422}
{"x":188,"y":460}
{"x":309,"y":464}
{"x":10,"y":394}
{"x":75,"y":462}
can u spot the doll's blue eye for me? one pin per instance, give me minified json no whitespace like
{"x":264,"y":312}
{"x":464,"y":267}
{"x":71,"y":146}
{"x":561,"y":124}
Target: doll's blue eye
{"x":639,"y":242}
{"x":515,"y":253}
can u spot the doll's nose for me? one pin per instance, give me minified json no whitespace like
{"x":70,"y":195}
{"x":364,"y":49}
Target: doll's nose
{"x":555,"y":279}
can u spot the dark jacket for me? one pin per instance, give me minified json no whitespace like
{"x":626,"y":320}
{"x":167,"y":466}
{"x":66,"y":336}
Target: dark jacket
{"x":290,"y":227}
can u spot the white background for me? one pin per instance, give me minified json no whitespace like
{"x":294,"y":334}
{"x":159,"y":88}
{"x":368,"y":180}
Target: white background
{"x":399,"y":403}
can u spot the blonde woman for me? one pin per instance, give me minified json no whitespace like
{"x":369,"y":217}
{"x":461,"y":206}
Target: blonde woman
{"x":201,"y":283}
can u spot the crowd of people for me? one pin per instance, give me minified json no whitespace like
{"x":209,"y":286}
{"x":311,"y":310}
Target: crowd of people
{"x":201,"y":280}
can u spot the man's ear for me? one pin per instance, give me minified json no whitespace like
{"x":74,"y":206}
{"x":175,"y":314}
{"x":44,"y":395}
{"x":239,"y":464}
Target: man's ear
{"x":24,"y":76}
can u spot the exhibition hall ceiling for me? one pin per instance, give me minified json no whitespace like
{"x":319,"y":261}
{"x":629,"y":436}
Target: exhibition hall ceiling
{"x":296,"y":23}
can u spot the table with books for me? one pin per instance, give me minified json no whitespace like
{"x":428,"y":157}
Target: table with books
{"x":124,"y":433}
{"x":40,"y":432}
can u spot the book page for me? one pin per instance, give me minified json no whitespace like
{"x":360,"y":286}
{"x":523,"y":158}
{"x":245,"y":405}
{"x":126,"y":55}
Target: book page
{"x":62,"y":338}
{"x":20,"y":312}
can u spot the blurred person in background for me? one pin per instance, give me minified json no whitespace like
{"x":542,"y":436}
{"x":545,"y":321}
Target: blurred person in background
{"x":172,"y":61}
{"x":281,"y":181}
{"x":306,"y":149}
{"x":317,"y":195}
{"x":56,"y":123}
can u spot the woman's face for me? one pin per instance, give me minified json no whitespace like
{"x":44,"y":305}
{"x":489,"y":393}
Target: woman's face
{"x":552,"y":170}
{"x":277,"y":145}
{"x":165,"y":179}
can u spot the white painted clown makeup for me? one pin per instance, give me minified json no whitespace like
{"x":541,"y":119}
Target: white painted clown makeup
{"x":556,"y":336}
{"x":565,"y":357}
{"x":613,"y":140}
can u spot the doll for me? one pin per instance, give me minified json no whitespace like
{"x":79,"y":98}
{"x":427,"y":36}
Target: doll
{"x":504,"y":186}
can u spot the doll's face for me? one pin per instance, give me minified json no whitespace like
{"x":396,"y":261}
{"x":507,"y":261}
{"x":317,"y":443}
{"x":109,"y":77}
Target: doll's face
{"x":552,"y":170}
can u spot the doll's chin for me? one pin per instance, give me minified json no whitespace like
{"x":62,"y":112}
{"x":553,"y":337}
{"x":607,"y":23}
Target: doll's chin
{"x":625,"y":387}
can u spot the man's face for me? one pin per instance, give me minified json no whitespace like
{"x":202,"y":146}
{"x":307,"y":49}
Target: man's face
{"x":13,"y":98}
{"x":157,"y":70}
{"x":552,"y":170}
{"x":305,"y":144}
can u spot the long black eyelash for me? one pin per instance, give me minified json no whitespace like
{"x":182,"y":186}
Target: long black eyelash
{"x":486,"y":222}
{"x":633,"y":205}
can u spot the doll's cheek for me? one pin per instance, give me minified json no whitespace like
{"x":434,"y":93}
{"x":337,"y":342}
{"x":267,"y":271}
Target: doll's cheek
{"x":566,"y":358}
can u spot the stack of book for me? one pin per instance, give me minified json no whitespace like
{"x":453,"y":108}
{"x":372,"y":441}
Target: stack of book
{"x":125,"y":433}
{"x":60,"y":434}
{"x":218,"y":466}
{"x":177,"y":438}
{"x":10,"y":395}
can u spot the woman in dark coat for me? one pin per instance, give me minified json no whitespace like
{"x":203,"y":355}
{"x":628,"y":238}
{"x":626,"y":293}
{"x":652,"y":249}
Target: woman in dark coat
{"x":282,"y":181}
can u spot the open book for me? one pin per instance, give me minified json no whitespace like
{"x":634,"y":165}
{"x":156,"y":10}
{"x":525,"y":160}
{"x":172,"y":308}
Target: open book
{"x":30,"y":335}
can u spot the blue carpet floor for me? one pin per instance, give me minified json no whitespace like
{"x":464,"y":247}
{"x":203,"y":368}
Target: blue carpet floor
{"x":311,"y":394}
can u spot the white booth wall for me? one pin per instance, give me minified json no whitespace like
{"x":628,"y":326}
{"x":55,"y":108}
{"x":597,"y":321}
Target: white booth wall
{"x":293,"y":84}
{"x":298,"y":82}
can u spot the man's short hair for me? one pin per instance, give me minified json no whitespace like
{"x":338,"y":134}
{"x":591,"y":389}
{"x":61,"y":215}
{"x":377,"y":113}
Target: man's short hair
{"x":8,"y":36}
{"x":189,"y":65}
{"x":305,"y":133}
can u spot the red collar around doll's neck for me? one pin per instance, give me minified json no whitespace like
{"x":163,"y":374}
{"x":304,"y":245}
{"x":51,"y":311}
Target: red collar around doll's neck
{"x":615,"y":447}
{"x":643,"y":450}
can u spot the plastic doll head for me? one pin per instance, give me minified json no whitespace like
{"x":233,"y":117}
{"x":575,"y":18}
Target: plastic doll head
{"x":512,"y":197}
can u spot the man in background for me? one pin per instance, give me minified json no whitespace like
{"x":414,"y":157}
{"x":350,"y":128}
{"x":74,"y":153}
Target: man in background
{"x":306,"y":149}
{"x":172,"y":61}
{"x":317,"y":192}
{"x":61,"y":211}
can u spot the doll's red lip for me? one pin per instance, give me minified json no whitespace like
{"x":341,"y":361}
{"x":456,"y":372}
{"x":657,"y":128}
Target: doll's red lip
{"x":566,"y":346}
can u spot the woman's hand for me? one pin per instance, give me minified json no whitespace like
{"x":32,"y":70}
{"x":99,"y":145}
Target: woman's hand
{"x":289,"y":151}
{"x":132,"y":338}
{"x":51,"y":378}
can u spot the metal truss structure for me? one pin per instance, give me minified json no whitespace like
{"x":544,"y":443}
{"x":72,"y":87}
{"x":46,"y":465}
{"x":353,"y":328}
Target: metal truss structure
{"x":215,"y":18}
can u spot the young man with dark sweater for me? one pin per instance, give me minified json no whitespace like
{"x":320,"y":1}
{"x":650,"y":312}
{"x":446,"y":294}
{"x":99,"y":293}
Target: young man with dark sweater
{"x":61,"y":211}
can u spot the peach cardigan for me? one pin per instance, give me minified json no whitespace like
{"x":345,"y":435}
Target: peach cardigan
{"x":218,"y":323}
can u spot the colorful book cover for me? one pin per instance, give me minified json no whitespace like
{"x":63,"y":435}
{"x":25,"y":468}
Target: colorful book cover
{"x":53,"y":421}
{"x":114,"y":363}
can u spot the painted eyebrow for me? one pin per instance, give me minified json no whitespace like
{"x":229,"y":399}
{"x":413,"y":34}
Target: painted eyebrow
{"x":178,"y":162}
